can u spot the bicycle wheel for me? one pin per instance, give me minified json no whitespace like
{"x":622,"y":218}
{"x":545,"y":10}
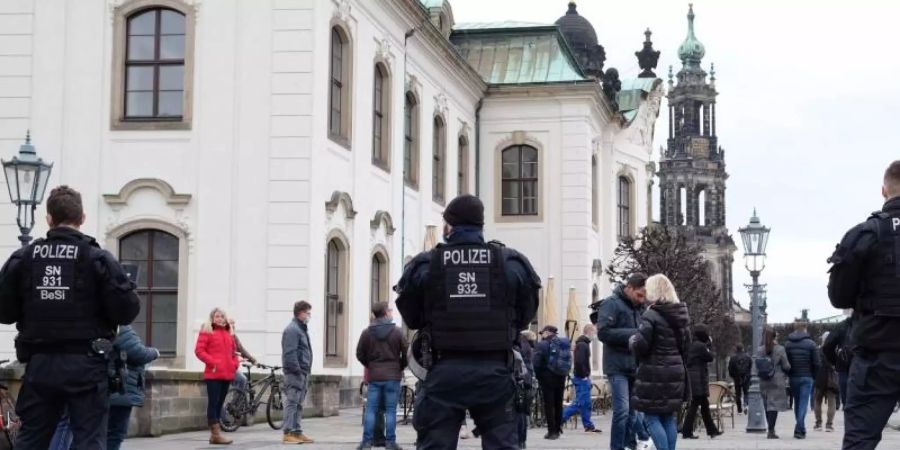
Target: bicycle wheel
{"x":275,"y":408}
{"x":234,"y":409}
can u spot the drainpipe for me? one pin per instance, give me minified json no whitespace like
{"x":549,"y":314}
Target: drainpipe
{"x":406,"y":37}
{"x":478,"y":147}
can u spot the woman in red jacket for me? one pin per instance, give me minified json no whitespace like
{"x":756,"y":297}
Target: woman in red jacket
{"x":217,"y":349}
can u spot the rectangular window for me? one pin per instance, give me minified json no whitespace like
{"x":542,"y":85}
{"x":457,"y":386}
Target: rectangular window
{"x":624,"y":207}
{"x":410,"y":142}
{"x":519,"y":181}
{"x":438,"y":149}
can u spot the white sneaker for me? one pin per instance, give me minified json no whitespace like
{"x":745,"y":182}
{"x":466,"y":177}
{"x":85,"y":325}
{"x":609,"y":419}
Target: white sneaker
{"x":645,"y":445}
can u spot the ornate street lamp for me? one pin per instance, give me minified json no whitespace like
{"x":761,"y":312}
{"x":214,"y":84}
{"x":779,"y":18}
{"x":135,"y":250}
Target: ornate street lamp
{"x":26,"y":179}
{"x":755,"y":237}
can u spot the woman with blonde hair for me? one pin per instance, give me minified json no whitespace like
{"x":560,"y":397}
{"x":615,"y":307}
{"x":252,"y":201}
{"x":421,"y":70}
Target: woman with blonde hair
{"x":217,"y":349}
{"x":660,"y":346}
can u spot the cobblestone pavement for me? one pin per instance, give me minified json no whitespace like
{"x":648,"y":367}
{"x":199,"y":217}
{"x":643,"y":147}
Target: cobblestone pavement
{"x":344,"y":432}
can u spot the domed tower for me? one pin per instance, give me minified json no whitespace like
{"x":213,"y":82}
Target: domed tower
{"x":692,"y":168}
{"x":582,"y":39}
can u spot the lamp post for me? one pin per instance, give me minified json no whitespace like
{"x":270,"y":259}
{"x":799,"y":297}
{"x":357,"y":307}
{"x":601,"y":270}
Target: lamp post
{"x":755,"y":237}
{"x":26,"y":179}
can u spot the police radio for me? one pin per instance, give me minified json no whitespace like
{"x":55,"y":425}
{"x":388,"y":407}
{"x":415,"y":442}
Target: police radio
{"x":118,"y":371}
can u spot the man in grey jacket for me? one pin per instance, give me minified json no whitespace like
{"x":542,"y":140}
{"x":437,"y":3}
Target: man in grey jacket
{"x":296,"y":359}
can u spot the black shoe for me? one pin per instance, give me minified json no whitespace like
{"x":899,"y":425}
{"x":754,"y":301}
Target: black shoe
{"x":592,"y":430}
{"x":799,"y":436}
{"x":714,"y":434}
{"x":521,"y":445}
{"x":547,"y":436}
{"x":690,"y":436}
{"x":554,"y":436}
{"x":772,"y":435}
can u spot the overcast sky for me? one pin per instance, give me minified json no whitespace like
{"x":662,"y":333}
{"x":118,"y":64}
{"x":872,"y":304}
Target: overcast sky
{"x":807,"y":113}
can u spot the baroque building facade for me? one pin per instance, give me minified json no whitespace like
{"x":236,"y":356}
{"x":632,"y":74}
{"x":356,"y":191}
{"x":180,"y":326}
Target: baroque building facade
{"x":691,"y":171}
{"x":249,"y":154}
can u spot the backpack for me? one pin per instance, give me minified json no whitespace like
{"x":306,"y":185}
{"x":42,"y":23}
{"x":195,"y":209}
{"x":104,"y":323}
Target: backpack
{"x":765,"y":368}
{"x":744,"y":366}
{"x":560,"y":359}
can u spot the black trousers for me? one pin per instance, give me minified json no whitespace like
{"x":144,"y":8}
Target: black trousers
{"x":484,"y":388}
{"x":873,"y":390}
{"x":772,"y":418}
{"x":703,"y":404}
{"x":741,"y":392}
{"x":552,"y":388}
{"x":53,"y":382}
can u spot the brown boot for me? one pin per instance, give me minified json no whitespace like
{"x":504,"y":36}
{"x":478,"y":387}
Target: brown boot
{"x":291,"y":438}
{"x":215,"y":435}
{"x":304,"y":440}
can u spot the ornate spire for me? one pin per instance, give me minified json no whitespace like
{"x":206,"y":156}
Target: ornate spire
{"x":691,"y":50}
{"x":27,"y":147}
{"x":671,"y":76}
{"x":647,"y":57}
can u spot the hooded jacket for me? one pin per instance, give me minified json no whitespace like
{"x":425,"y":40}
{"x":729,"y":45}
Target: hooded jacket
{"x":137,"y":355}
{"x":216,"y":348}
{"x":382,"y":350}
{"x":699,"y":357}
{"x":802,"y":354}
{"x":583,"y":357}
{"x":617,"y":321}
{"x":660,"y":345}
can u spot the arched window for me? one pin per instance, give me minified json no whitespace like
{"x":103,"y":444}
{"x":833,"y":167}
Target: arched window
{"x":462,"y":167}
{"x":379,"y":287}
{"x":595,"y":196}
{"x":411,"y":141}
{"x":335,"y":299}
{"x":381,"y":108}
{"x":438,"y":163}
{"x":339,"y":87}
{"x":155,"y":253}
{"x":624,"y":207}
{"x":520,"y":181}
{"x":154,"y":65}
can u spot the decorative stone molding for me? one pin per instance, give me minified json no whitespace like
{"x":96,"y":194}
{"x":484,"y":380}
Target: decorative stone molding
{"x":413,"y":84}
{"x":385,"y":218}
{"x":597,"y":266}
{"x":342,"y":10}
{"x":440,"y":104}
{"x":341,"y":198}
{"x":172,"y":199}
{"x":383,"y":51}
{"x":519,"y":137}
{"x":464,"y":129}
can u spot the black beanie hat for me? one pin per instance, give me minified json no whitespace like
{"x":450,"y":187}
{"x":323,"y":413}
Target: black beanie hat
{"x":465,"y":210}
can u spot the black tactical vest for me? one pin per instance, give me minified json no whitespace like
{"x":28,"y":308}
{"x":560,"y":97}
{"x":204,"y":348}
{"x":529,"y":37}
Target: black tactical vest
{"x":468,"y":305}
{"x":881,"y":292}
{"x":59,"y":293}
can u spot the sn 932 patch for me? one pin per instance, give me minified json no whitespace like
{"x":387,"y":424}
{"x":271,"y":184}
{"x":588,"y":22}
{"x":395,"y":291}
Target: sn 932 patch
{"x":468,"y":289}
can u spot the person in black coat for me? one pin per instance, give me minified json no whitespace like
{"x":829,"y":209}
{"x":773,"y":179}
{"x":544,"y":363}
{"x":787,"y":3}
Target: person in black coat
{"x":552,"y":384}
{"x":137,"y":355}
{"x":838,"y":351}
{"x":526,"y":349}
{"x":660,"y":345}
{"x":699,"y":356}
{"x":739,"y":368}
{"x":803,"y":354}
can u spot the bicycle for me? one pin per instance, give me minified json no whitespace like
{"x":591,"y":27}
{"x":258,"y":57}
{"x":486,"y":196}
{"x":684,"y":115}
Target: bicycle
{"x":9,"y":421}
{"x":240,"y":403}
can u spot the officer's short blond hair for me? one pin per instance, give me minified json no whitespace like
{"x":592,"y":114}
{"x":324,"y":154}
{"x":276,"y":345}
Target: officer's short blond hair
{"x":892,"y":179}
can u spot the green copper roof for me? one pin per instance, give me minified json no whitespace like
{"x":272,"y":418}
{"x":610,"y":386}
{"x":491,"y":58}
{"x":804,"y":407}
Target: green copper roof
{"x":691,"y":50}
{"x":432,"y":3}
{"x":515,"y":55}
{"x":632,"y":94}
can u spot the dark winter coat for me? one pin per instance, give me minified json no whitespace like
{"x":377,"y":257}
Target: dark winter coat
{"x":837,"y":348}
{"x":803,"y":355}
{"x":617,"y":321}
{"x":136,"y":357}
{"x":739,"y":368}
{"x":699,"y":357}
{"x":660,"y":343}
{"x":774,"y":390}
{"x":542,"y":360}
{"x":526,"y":348}
{"x":583,"y":357}
{"x":382,"y":350}
{"x":826,"y":377}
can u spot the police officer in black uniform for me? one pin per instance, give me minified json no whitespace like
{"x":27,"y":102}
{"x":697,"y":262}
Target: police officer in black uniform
{"x":866,"y":276}
{"x":469,"y":299}
{"x":66,"y":297}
